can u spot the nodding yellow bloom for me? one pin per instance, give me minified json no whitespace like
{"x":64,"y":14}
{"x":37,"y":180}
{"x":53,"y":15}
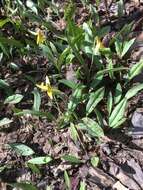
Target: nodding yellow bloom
{"x":40,"y":37}
{"x":47,"y":87}
{"x":98,"y":46}
{"x":99,"y":43}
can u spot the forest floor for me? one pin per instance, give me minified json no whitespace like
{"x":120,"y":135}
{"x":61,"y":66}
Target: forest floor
{"x":120,"y":152}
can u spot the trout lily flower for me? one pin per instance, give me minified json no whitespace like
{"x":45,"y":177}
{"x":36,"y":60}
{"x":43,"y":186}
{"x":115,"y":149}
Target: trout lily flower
{"x":47,"y":87}
{"x":99,"y":45}
{"x":40,"y":37}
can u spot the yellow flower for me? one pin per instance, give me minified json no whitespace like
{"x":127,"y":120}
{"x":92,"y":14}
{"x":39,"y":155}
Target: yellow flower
{"x":99,"y":43}
{"x":40,"y":37}
{"x":47,"y":87}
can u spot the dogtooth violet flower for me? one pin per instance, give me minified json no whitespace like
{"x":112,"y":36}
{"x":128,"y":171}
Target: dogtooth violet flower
{"x":47,"y":87}
{"x":40,"y":37}
{"x":99,"y":45}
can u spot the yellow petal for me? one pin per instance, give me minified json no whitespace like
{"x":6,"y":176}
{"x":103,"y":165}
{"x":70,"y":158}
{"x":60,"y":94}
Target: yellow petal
{"x":50,"y":92}
{"x":47,"y":80}
{"x":42,"y":86}
{"x":40,"y":37}
{"x":99,"y":43}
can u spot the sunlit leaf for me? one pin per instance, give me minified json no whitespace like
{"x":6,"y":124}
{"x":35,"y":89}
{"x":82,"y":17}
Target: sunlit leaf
{"x":40,"y":160}
{"x":75,"y":99}
{"x":118,"y":113}
{"x":37,"y":100}
{"x":118,"y":47}
{"x":94,"y":99}
{"x":82,"y":185}
{"x":71,"y":159}
{"x":126,"y":46}
{"x":21,"y":149}
{"x":14,"y":99}
{"x":95,"y":161}
{"x":118,"y":93}
{"x":133,"y":91}
{"x":73,"y":132}
{"x":92,"y":127}
{"x":119,"y":123}
{"x":135,"y":70}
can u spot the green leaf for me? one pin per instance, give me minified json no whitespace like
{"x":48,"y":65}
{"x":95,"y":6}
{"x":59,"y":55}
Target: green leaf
{"x":4,"y":85}
{"x":35,"y":113}
{"x":133,"y":91}
{"x":95,"y":161}
{"x":87,"y":29}
{"x":4,"y":49}
{"x":118,"y":113}
{"x":11,"y":42}
{"x":21,"y":149}
{"x":23,"y":186}
{"x":75,"y":99}
{"x":4,"y":21}
{"x":37,"y":100}
{"x":94,"y":99}
{"x":2,"y":168}
{"x":92,"y":127}
{"x":46,"y":50}
{"x":102,"y":31}
{"x":40,"y":160}
{"x":14,"y":66}
{"x":82,"y":185}
{"x":67,"y":180}
{"x":65,"y":57}
{"x":120,"y":8}
{"x":99,"y":117}
{"x":97,"y":79}
{"x":110,"y":67}
{"x":118,"y":47}
{"x":69,"y":83}
{"x":109,"y":102}
{"x":34,"y":168}
{"x":69,"y":11}
{"x":135,"y":70}
{"x":73,"y":132}
{"x":126,"y":46}
{"x":5,"y":121}
{"x":53,"y":48}
{"x":14,"y":99}
{"x":72,"y":159}
{"x":119,"y":123}
{"x":118,"y":93}
{"x":105,"y":71}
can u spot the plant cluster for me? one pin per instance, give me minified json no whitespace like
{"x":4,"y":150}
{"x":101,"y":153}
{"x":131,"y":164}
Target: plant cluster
{"x":101,"y":79}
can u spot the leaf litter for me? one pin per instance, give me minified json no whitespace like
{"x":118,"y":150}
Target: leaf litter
{"x":120,"y":157}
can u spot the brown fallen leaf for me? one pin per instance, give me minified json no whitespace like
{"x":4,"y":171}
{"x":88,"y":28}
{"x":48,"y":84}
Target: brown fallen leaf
{"x":116,"y":171}
{"x":138,"y":173}
{"x":119,"y":186}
